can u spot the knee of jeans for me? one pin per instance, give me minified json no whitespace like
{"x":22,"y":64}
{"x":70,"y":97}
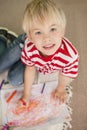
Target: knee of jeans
{"x":16,"y":74}
{"x":14,"y":79}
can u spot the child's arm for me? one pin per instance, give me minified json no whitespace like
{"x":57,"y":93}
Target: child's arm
{"x":63,"y":81}
{"x":29,"y":76}
{"x":60,"y":91}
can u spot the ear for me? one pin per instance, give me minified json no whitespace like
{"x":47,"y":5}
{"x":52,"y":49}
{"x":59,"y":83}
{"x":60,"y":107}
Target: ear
{"x":62,"y":32}
{"x":30,"y":37}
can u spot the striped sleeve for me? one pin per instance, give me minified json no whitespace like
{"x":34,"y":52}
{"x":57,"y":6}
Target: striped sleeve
{"x":25,"y":58}
{"x":71,"y":68}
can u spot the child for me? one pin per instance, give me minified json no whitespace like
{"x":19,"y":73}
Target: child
{"x":46,"y":49}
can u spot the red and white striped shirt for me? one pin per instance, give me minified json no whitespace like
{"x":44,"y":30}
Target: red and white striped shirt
{"x":65,"y":59}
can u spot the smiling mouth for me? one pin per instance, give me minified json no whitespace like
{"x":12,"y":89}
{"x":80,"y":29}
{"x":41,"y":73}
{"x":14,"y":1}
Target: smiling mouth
{"x":50,"y":46}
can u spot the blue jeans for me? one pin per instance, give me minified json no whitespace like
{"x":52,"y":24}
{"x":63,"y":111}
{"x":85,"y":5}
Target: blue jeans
{"x":11,"y":60}
{"x":16,"y":73}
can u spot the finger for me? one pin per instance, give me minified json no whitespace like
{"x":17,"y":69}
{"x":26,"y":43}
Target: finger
{"x":53,"y":94}
{"x":63,"y":98}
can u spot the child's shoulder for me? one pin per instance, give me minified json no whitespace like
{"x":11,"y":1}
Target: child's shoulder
{"x":26,"y":40}
{"x":27,"y":43}
{"x":29,"y":47}
{"x":67,"y":45}
{"x":66,"y":42}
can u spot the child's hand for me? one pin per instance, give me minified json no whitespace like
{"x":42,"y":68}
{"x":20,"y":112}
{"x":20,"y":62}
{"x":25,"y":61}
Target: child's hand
{"x":60,"y":94}
{"x":22,"y":106}
{"x":23,"y":102}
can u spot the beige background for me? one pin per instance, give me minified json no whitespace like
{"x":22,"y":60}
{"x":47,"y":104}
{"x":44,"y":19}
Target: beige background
{"x":11,"y":12}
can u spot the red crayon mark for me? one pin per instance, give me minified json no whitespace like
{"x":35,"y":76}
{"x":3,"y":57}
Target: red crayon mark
{"x":11,"y":96}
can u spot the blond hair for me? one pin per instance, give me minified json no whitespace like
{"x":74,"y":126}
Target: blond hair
{"x":40,"y":10}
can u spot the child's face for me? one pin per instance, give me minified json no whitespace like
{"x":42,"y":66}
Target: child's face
{"x":47,"y":36}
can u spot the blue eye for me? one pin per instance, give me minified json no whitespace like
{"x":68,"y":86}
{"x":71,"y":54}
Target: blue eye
{"x":53,"y":29}
{"x":38,"y":33}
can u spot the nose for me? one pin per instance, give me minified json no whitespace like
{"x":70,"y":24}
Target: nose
{"x":46,"y":38}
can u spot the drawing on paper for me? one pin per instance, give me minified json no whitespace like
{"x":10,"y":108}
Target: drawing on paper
{"x":41,"y":109}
